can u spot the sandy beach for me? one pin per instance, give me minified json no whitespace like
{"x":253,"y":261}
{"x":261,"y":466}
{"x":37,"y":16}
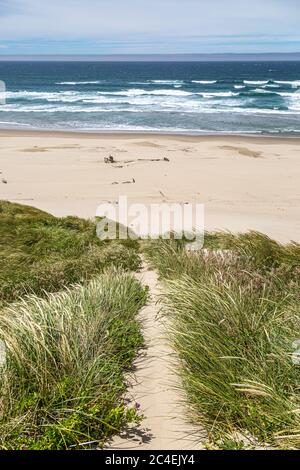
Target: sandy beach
{"x":245,"y":182}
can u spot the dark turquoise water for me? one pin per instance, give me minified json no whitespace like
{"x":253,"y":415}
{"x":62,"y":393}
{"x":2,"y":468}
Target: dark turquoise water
{"x":236,"y":97}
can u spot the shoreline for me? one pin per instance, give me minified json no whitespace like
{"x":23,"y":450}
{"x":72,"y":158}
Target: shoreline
{"x":142,"y":134}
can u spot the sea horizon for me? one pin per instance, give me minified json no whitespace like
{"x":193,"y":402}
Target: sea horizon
{"x":162,"y":57}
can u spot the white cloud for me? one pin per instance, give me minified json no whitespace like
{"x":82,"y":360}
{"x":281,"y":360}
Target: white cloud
{"x":198,"y":23}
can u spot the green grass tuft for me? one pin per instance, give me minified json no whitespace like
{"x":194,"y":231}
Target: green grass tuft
{"x":63,"y":379}
{"x":40,"y":253}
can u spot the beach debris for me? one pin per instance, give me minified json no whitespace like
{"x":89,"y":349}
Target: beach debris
{"x":127,"y":162}
{"x":109,"y":159}
{"x":4,"y":181}
{"x":148,"y":160}
{"x":164,"y":196}
{"x":129,"y":182}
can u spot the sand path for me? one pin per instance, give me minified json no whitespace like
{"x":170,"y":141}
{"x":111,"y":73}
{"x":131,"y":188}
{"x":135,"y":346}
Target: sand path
{"x":154,"y":388}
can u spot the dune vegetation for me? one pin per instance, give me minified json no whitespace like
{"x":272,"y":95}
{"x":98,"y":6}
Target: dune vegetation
{"x":68,"y":330}
{"x":234,"y":310}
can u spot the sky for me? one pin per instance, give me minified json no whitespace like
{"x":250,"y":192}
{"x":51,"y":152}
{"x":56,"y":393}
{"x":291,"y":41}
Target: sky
{"x":148,"y":26}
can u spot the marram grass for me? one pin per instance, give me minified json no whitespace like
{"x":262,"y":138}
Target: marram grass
{"x":235,"y":314}
{"x":63,"y":379}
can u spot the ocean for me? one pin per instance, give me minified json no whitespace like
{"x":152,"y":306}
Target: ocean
{"x":173,"y":97}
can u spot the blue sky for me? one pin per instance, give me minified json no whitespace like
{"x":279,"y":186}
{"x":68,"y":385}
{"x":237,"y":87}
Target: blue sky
{"x":148,"y":26}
